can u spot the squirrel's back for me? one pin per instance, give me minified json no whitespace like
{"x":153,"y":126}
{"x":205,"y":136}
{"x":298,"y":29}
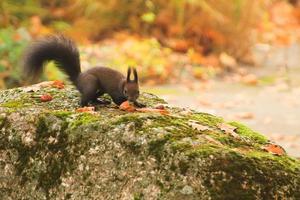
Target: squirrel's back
{"x":63,"y":51}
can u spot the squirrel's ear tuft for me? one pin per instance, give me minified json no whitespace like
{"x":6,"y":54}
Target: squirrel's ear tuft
{"x":128,"y":74}
{"x":136,"y":79}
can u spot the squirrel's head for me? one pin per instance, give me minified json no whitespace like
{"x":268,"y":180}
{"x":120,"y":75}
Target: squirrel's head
{"x":131,"y":87}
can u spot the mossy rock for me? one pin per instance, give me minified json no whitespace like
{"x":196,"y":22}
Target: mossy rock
{"x":50,"y":151}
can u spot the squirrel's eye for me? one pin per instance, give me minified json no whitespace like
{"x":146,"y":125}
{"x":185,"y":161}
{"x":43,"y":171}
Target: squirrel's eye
{"x":125,"y":91}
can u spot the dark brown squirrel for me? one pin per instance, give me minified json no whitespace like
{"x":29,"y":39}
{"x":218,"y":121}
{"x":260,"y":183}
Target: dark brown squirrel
{"x":92,"y":83}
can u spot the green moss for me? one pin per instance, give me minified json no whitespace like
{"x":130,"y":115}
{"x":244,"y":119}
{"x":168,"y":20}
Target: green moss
{"x":2,"y":121}
{"x":180,"y":146}
{"x":207,"y":119}
{"x":204,"y":151}
{"x":285,"y":162}
{"x":248,"y":133}
{"x":138,"y":196}
{"x":227,"y":168}
{"x":62,"y":114}
{"x":183,"y":166}
{"x":150,"y":99}
{"x":136,"y":118}
{"x":84,"y":119}
{"x":156,"y":148}
{"x":13,"y":104}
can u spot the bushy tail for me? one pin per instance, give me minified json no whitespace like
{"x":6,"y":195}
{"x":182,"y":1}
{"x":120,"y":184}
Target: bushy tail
{"x":58,"y":48}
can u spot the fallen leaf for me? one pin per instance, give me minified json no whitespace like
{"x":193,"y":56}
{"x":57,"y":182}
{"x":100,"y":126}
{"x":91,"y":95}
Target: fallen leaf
{"x":33,"y":88}
{"x":46,"y":97}
{"x":45,"y":84}
{"x":194,"y":124}
{"x":89,"y":109}
{"x":161,"y":111}
{"x":274,"y":149}
{"x":126,"y":106}
{"x":228,"y":129}
{"x":58,"y":84}
{"x":38,"y":86}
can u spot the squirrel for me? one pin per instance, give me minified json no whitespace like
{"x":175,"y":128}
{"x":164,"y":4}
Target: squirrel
{"x":91,"y":83}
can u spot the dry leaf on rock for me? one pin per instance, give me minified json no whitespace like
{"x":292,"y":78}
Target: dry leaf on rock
{"x":194,"y":124}
{"x":274,"y":149}
{"x":126,"y":106}
{"x":38,"y":86}
{"x":90,"y":109}
{"x":161,"y":111}
{"x":32,"y":88}
{"x":46,"y":97}
{"x":45,"y":84}
{"x":228,"y":129}
{"x":58,"y":84}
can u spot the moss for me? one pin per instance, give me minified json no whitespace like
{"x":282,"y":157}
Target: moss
{"x":204,"y":151}
{"x":3,"y":119}
{"x":286,"y":162}
{"x":138,"y":196}
{"x":84,"y":119}
{"x":150,"y":99}
{"x":136,"y":118}
{"x":183,"y":166}
{"x":207,"y":119}
{"x":133,"y":147}
{"x":13,"y":104}
{"x":226,"y":176}
{"x":62,"y":114}
{"x":156,"y":148}
{"x":248,"y":133}
{"x":180,"y":146}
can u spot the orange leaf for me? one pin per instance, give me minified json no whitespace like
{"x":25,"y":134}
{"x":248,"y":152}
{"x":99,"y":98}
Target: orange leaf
{"x":58,"y":84}
{"x":46,"y":97}
{"x":126,"y":106}
{"x":274,"y":149}
{"x":161,"y":111}
{"x":86,"y":109}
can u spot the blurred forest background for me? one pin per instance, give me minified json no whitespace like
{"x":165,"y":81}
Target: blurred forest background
{"x":203,"y":38}
{"x":235,"y":58}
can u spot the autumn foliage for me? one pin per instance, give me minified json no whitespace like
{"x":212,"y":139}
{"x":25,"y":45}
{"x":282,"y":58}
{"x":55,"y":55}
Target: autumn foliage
{"x":162,"y":37}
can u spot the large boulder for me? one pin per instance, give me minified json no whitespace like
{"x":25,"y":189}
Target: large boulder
{"x":50,"y":150}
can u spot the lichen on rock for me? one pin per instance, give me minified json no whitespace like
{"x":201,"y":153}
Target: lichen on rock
{"x":48,"y":150}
